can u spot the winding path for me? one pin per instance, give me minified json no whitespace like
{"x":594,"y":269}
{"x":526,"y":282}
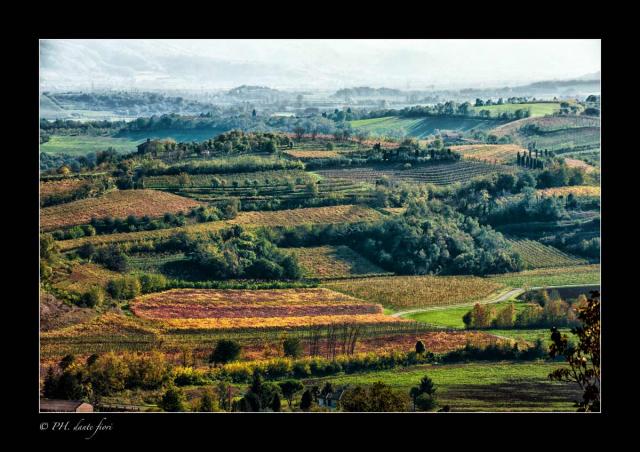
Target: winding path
{"x":494,"y":298}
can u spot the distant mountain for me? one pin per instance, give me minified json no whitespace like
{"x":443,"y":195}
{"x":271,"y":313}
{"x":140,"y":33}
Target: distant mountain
{"x":366,"y":91}
{"x":592,"y":76}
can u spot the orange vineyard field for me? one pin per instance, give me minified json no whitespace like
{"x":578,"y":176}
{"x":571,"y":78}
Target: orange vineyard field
{"x":118,"y":204}
{"x":203,"y":309}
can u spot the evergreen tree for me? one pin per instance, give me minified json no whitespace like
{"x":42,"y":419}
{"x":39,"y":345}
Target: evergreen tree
{"x":306,"y":401}
{"x":275,"y":404}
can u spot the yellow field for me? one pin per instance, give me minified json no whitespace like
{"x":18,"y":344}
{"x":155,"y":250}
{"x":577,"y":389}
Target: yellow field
{"x":417,"y":291}
{"x":210,"y":309}
{"x":278,"y":322}
{"x":332,"y":262}
{"x":312,"y":154}
{"x":110,"y":324}
{"x":575,"y":163}
{"x":293,"y":217}
{"x":576,"y":190}
{"x":62,"y":186}
{"x":498,"y":153}
{"x":83,"y":276}
{"x":117,"y":204}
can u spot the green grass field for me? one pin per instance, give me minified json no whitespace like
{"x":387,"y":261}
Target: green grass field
{"x":529,"y":336}
{"x":452,"y":318}
{"x":536,"y":109}
{"x":479,"y":386}
{"x":124,"y":142}
{"x":394,"y":126}
{"x":84,"y":144}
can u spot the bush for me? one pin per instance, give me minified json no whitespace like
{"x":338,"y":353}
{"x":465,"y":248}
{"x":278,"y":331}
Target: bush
{"x":93,"y":297}
{"x":292,"y":347}
{"x":125,"y":288}
{"x":173,"y":400}
{"x":425,"y":402}
{"x":225,"y":351}
{"x":152,"y":283}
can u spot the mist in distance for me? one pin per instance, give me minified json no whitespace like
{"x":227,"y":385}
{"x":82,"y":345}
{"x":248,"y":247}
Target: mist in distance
{"x":324,"y":65}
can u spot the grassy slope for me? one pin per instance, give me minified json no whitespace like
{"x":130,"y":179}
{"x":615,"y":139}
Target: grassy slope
{"x":124,"y":142}
{"x":420,"y":127}
{"x":452,"y":318}
{"x":491,"y":386}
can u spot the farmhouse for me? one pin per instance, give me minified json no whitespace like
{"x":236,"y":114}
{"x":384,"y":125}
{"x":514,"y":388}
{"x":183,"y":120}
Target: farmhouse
{"x":64,"y":406}
{"x":331,"y":399}
{"x":142,"y":147}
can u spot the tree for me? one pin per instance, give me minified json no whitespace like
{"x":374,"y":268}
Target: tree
{"x":173,"y":400}
{"x":66,"y":361}
{"x":50,"y":386}
{"x":583,"y":358}
{"x":207,"y":403}
{"x":225,"y":351}
{"x":306,"y":401}
{"x":275,"y":404}
{"x":425,"y":402}
{"x":292,"y":347}
{"x":289,"y":389}
{"x":48,"y":247}
{"x":420,"y":348}
{"x":423,"y":395}
{"x":379,"y":397}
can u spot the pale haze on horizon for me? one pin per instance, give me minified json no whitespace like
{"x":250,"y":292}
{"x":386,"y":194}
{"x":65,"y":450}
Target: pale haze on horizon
{"x":311,"y":64}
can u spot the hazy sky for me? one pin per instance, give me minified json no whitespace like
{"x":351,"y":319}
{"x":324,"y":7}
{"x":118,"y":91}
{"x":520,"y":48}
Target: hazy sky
{"x":308,"y":64}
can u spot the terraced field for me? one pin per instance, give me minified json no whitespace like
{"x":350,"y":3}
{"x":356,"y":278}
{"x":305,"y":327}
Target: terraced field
{"x":333,"y":262}
{"x":293,"y":217}
{"x":417,"y":291}
{"x":312,"y":154}
{"x":555,"y":133}
{"x":285,"y":196}
{"x":118,"y":204}
{"x":490,"y":153}
{"x":440,"y":174}
{"x":268,"y":189}
{"x":232,"y":180}
{"x":537,"y":255}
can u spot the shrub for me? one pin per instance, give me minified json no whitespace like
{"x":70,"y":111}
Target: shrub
{"x":292,"y":347}
{"x":152,"y":283}
{"x":225,"y":351}
{"x":93,"y":297}
{"x":173,"y":400}
{"x":125,"y":288}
